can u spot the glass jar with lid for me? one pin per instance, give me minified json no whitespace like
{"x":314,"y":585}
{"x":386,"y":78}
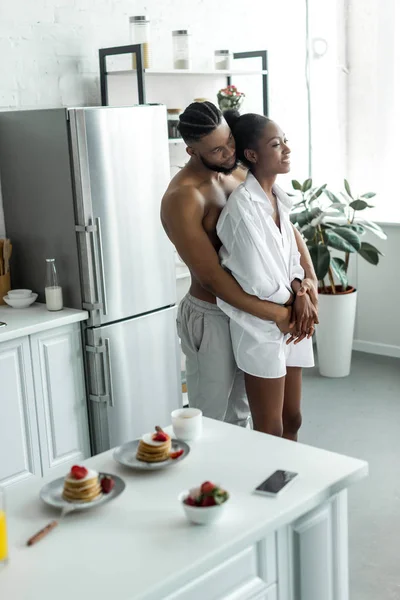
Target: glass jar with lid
{"x":181,"y":49}
{"x":173,"y":122}
{"x":140,"y":34}
{"x":223,"y":60}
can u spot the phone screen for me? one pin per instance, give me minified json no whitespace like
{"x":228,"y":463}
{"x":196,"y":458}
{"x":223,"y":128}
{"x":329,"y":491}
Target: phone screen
{"x":276,"y":482}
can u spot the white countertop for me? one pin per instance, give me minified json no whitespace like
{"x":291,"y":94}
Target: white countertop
{"x":35,"y":318}
{"x":139,"y":545}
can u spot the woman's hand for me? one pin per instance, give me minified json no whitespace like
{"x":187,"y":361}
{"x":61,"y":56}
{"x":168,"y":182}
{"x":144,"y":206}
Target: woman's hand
{"x":304,"y":317}
{"x":310,"y":287}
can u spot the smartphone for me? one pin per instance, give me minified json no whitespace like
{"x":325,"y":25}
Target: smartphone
{"x":276,"y":483}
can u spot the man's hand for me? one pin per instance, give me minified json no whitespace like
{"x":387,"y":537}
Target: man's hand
{"x":285,"y":322}
{"x":304,"y":316}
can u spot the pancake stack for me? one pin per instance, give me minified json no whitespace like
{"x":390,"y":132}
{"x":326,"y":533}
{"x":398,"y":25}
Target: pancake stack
{"x":154,"y":447}
{"x":82,"y":485}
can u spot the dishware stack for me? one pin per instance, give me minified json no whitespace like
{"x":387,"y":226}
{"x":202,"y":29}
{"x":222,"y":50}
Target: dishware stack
{"x":20,"y":298}
{"x":5,"y":255}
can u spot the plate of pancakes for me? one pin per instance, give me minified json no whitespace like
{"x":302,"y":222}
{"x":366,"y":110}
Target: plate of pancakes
{"x":152,"y":451}
{"x":84,"y":492}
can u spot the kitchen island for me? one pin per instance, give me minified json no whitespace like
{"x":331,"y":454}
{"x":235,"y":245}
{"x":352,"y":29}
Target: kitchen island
{"x":140,"y":546}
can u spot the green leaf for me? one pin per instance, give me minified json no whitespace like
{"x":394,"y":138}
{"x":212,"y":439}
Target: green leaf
{"x":321,"y":260}
{"x":374,"y":228}
{"x":317,"y":192}
{"x":309,"y":232}
{"x":339,"y":268}
{"x":337,"y":241}
{"x":305,"y":217}
{"x":370,"y":253}
{"x":297,"y":185}
{"x":349,"y":235}
{"x":347,"y":188}
{"x":356,"y":227}
{"x":307,"y":185}
{"x":360,"y":205}
{"x":368,"y":195}
{"x":334,"y":199}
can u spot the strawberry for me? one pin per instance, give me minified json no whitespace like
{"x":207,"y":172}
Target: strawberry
{"x":208,"y":501}
{"x":176,"y":454}
{"x":107,"y":484}
{"x":78,"y":472}
{"x":207,"y":487}
{"x":160,"y":436}
{"x":190,"y":501}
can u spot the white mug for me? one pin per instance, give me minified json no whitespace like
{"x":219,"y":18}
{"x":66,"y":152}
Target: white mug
{"x":187,"y":423}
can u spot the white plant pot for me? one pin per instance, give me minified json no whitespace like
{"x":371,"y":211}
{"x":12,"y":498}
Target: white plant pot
{"x":335,"y":332}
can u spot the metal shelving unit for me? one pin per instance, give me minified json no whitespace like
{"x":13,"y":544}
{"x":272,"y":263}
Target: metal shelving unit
{"x":142,"y":73}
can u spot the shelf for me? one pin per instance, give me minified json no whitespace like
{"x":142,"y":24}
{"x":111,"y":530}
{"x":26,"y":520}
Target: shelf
{"x":176,"y":141}
{"x":209,"y":73}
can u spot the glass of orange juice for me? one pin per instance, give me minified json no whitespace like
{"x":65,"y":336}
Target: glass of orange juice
{"x":3,"y":528}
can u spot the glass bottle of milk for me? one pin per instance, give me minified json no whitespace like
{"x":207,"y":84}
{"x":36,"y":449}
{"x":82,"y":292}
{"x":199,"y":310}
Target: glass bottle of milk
{"x":53,"y":291}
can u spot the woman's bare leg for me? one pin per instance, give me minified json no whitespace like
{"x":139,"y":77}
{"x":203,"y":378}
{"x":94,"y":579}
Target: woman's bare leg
{"x":291,"y":403}
{"x":266,"y":403}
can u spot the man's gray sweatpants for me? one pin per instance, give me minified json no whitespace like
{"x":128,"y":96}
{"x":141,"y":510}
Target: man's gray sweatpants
{"x":214,"y":382}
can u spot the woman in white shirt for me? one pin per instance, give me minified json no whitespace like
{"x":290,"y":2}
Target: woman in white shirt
{"x":260,"y":250}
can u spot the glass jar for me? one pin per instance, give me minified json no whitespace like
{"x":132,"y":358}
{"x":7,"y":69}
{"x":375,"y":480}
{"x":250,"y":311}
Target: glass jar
{"x":53,"y":290}
{"x":223,"y":60}
{"x":140,"y":34}
{"x":181,"y":49}
{"x":173,"y":122}
{"x":3,"y":528}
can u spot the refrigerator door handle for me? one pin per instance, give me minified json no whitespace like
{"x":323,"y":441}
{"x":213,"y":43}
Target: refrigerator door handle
{"x":103,"y":350}
{"x":101,"y":264}
{"x":108,"y":373}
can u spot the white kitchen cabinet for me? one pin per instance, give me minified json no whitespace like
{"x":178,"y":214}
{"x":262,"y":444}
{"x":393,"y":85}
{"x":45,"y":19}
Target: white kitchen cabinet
{"x":19,"y":440}
{"x":43,"y":410}
{"x":60,"y":392}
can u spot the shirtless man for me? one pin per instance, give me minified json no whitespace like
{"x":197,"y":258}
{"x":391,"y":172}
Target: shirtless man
{"x":189,"y":212}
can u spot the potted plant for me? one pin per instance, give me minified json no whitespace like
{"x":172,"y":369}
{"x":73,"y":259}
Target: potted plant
{"x":333,"y":232}
{"x":230,"y":97}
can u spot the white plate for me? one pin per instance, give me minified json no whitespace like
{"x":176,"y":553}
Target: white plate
{"x":51,"y":494}
{"x":20,"y":302}
{"x":126,"y":455}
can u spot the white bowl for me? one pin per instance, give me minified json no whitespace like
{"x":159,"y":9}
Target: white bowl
{"x":19,"y":293}
{"x":20,"y":302}
{"x":201,"y":515}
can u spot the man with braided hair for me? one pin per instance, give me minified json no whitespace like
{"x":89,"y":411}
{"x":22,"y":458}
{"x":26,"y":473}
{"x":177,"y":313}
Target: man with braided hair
{"x":189,"y":212}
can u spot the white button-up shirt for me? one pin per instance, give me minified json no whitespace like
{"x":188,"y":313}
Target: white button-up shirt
{"x":264,"y":261}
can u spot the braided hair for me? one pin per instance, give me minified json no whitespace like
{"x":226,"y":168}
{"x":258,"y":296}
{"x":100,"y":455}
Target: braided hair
{"x":198,"y":120}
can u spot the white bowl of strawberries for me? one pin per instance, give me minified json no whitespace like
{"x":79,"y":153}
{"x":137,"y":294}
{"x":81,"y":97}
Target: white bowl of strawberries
{"x":204,"y":504}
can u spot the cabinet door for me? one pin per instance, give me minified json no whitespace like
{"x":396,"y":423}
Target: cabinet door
{"x":58,"y":373}
{"x":19,"y":443}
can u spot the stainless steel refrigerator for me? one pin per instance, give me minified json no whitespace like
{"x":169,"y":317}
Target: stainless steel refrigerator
{"x":84,"y":186}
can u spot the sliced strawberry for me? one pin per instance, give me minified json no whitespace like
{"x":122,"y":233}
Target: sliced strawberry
{"x":208,"y":501}
{"x":176,"y":454}
{"x":208,"y":487}
{"x":190,"y":501}
{"x":160,"y":436}
{"x":78,"y":472}
{"x":107,"y":484}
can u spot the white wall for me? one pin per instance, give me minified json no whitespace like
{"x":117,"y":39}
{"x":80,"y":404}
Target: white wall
{"x":372,"y":156}
{"x":377,"y":324}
